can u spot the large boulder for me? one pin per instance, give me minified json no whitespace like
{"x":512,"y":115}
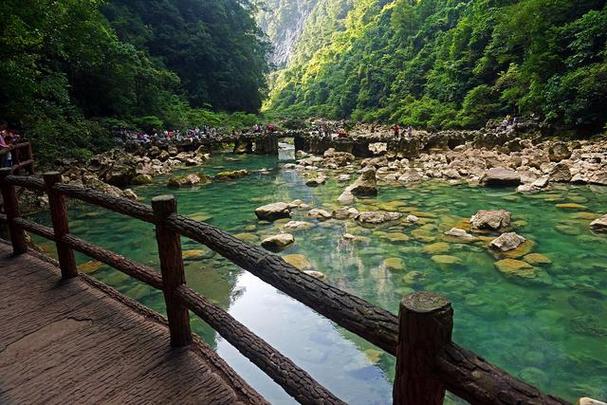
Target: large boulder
{"x":378,"y":217}
{"x":558,"y":151}
{"x":274,"y":211}
{"x":599,"y":225}
{"x":366,"y":184}
{"x":491,"y":220}
{"x":278,"y":242}
{"x":501,"y":177}
{"x":346,"y":198}
{"x":507,"y":241}
{"x":560,"y":173}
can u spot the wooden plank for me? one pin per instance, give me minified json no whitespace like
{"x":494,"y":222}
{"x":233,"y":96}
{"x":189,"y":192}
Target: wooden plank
{"x":73,"y":342}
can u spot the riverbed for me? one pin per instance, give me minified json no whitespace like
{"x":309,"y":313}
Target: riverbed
{"x":549,"y":329}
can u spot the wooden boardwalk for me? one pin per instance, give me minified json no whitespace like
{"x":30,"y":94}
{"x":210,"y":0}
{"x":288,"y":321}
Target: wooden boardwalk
{"x":81,"y":342}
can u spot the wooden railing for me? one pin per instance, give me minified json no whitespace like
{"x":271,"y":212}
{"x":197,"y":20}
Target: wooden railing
{"x":428,"y":362}
{"x":22,"y":157}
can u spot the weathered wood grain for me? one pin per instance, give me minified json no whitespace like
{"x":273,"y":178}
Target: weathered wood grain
{"x":68,"y":341}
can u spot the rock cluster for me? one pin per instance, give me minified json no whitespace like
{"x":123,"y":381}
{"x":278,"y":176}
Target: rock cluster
{"x":114,"y":171}
{"x":491,"y":157}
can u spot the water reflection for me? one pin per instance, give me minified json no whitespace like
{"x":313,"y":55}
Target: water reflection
{"x":549,"y":330}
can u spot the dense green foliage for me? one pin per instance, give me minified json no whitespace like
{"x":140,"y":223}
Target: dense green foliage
{"x":66,"y":76}
{"x":213,"y":46}
{"x":453,"y":63}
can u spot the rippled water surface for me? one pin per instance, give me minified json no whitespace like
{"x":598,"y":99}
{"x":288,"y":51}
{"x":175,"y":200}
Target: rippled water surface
{"x":550,"y":330}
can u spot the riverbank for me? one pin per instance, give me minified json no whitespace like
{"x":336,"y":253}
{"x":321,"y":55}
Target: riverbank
{"x":507,"y":153}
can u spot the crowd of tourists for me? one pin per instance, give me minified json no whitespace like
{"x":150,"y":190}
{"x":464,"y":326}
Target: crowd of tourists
{"x":205,"y":133}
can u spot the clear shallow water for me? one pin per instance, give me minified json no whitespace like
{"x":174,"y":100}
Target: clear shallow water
{"x":551,"y":330}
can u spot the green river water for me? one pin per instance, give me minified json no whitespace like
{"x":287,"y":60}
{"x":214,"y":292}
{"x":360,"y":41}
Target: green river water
{"x":550,"y":330}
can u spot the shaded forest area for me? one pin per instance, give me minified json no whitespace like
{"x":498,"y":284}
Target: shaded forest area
{"x":450,"y":63}
{"x":71,"y":70}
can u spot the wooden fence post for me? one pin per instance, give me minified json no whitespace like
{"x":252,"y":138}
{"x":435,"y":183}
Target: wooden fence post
{"x":173,"y":275}
{"x":11,"y":208}
{"x":58,"y":207}
{"x":426,"y":323}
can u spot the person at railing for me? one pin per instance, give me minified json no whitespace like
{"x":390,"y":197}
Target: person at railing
{"x":5,"y":147}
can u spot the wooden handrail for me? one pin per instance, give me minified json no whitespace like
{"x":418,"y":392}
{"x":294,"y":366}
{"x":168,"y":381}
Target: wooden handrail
{"x":23,"y":157}
{"x":295,"y":381}
{"x":444,"y":365}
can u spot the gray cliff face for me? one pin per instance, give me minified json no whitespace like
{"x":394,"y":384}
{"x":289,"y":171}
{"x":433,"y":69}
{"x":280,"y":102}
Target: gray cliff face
{"x":284,"y":21}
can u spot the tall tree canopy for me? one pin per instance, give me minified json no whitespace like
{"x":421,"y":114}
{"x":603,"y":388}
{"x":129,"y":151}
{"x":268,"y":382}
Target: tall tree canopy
{"x":66,"y":73}
{"x":455,"y":63}
{"x":214,"y":46}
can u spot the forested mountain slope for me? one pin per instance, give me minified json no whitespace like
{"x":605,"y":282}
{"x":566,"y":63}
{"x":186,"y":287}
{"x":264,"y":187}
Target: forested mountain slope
{"x":452,"y":63}
{"x":67,"y":74}
{"x":215,"y":47}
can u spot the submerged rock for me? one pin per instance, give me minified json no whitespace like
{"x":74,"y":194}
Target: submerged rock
{"x":297,"y":226}
{"x":90,"y":266}
{"x":445,"y":259}
{"x":571,"y":206}
{"x":515,"y":267}
{"x":378,"y":217}
{"x":231,"y":175}
{"x":413,"y":276}
{"x":536,"y":259}
{"x":436,"y":248}
{"x":499,"y":176}
{"x":278,"y":242}
{"x":396,"y":237}
{"x":366,"y":184}
{"x":394,"y":264}
{"x":274,"y":211}
{"x":507,"y":241}
{"x":298,"y":261}
{"x":491,"y":220}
